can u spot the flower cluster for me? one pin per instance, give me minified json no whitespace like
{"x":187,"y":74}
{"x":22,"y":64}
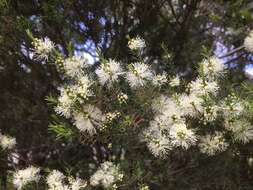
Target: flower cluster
{"x":165,"y":112}
{"x":7,"y":142}
{"x":73,"y":93}
{"x":78,"y":88}
{"x":213,"y":144}
{"x":122,"y":98}
{"x":109,"y":72}
{"x":242,"y":130}
{"x":110,"y":116}
{"x":168,"y":129}
{"x":138,"y":74}
{"x":106,"y":176}
{"x":23,"y":177}
{"x":88,"y":119}
{"x":136,"y":44}
{"x":57,"y":181}
{"x":42,"y":48}
{"x":73,"y":66}
{"x":212,"y":67}
{"x":160,"y":79}
{"x":175,"y":81}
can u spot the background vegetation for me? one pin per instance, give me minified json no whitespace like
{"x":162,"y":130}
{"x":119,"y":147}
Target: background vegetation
{"x":177,"y":34}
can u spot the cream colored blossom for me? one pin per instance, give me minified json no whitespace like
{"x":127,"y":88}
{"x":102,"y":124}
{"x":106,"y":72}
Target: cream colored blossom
{"x":213,"y":67}
{"x":87,"y":120}
{"x":42,"y":48}
{"x":109,"y":72}
{"x":82,"y":88}
{"x":160,"y":79}
{"x":7,"y":142}
{"x":136,"y":43}
{"x":165,"y":106}
{"x":55,"y":181}
{"x":69,"y":95}
{"x":107,"y":175}
{"x":22,"y":177}
{"x":161,"y":122}
{"x":213,"y":144}
{"x":158,"y":144}
{"x":190,"y":104}
{"x":73,"y":66}
{"x":65,"y":103}
{"x":232,"y":107}
{"x":242,"y":130}
{"x":139,"y":74}
{"x":77,"y":184}
{"x":181,"y":136}
{"x":200,"y":87}
{"x":248,"y":42}
{"x":175,"y":81}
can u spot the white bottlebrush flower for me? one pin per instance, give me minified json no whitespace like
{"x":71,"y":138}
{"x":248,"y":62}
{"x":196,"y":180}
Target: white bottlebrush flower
{"x":196,"y":87}
{"x":55,"y":181}
{"x":159,"y":80}
{"x":65,"y":103}
{"x":138,"y":74}
{"x":136,"y":44}
{"x":232,"y":107}
{"x":106,"y":176}
{"x":158,"y":144}
{"x":175,"y":81}
{"x":242,"y":131}
{"x":248,"y":42}
{"x":42,"y":48}
{"x":167,"y":111}
{"x":73,"y":66}
{"x":23,"y":177}
{"x":161,"y":122}
{"x":77,"y":184}
{"x":190,"y":104}
{"x":109,"y":72}
{"x":200,"y":87}
{"x":7,"y":142}
{"x":181,"y":136}
{"x":82,"y":88}
{"x":73,"y":93}
{"x":211,"y":87}
{"x":213,"y":67}
{"x":163,"y":105}
{"x":87,"y":120}
{"x":213,"y":144}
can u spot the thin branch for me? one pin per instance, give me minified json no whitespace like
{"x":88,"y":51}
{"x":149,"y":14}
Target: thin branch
{"x":232,"y":60}
{"x":232,"y":52}
{"x":173,"y":12}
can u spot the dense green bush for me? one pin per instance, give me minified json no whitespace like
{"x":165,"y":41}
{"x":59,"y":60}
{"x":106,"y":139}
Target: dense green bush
{"x":156,"y":110}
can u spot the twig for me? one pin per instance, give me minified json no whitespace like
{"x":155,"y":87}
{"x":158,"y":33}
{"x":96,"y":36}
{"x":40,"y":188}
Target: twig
{"x":173,"y":12}
{"x":232,"y":52}
{"x":232,"y":60}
